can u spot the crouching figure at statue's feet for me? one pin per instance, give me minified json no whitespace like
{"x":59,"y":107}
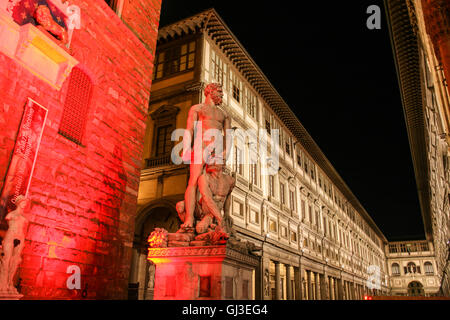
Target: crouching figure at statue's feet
{"x":213,"y":223}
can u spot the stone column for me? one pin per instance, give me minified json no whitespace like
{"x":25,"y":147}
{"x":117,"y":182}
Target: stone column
{"x":277,"y":281}
{"x":309,"y":285}
{"x":340,"y":288}
{"x":313,"y":286}
{"x":318,"y":296}
{"x":335,"y":287}
{"x":288,"y":282}
{"x":331,"y":285}
{"x":298,"y":284}
{"x":324,"y":287}
{"x":353,"y":292}
{"x":142,"y":272}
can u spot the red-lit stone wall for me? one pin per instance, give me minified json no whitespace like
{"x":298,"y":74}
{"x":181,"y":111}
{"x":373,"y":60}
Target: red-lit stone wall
{"x":133,"y":12}
{"x":83,"y":198}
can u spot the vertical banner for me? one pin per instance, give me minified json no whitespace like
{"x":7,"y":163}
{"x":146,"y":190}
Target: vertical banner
{"x":21,"y":167}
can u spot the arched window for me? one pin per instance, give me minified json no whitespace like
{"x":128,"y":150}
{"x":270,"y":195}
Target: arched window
{"x":429,"y":268}
{"x":78,"y":97}
{"x":395,"y":269}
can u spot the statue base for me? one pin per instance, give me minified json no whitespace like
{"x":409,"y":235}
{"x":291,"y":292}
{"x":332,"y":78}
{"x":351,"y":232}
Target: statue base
{"x":203,"y":273}
{"x":6,"y":295}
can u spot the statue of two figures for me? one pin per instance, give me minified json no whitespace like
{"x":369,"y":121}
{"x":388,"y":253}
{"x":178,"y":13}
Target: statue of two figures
{"x":12,"y":246}
{"x":205,"y":209}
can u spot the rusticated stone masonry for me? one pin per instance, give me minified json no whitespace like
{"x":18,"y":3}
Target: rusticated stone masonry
{"x":83,"y":197}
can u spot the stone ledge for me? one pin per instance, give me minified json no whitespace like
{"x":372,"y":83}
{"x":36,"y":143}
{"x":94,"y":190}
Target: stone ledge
{"x":204,"y":252}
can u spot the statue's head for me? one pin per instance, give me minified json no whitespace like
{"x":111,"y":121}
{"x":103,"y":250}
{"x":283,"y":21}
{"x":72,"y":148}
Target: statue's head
{"x":214,"y":90}
{"x":21,"y":202}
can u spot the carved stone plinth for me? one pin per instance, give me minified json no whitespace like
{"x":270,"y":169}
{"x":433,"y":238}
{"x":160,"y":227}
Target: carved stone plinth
{"x":10,"y":296}
{"x":203,"y":273}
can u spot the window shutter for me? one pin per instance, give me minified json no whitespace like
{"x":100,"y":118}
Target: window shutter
{"x":78,"y":97}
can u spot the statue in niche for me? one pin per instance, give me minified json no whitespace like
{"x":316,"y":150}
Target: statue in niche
{"x":12,"y":245}
{"x":202,"y":118}
{"x":151,"y":275}
{"x":266,"y":283}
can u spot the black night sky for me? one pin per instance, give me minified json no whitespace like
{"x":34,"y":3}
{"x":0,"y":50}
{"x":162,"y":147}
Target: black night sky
{"x":339,"y":78}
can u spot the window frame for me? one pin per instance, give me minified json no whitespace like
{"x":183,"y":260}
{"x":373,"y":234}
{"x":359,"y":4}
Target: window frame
{"x":170,"y":55}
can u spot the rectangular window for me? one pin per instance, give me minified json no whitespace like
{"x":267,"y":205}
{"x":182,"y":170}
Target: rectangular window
{"x":292,"y":199}
{"x":174,"y":59}
{"x":271,"y":186}
{"x":313,"y":171}
{"x":284,"y":232}
{"x":273,"y":226}
{"x":282,"y":195}
{"x":163,"y":141}
{"x":303,"y":213}
{"x":236,"y":86}
{"x":219,"y":69}
{"x":250,"y":102}
{"x":293,"y":236}
{"x":254,"y":216}
{"x":238,"y":208}
{"x":310,"y":215}
{"x":317,"y":219}
{"x":268,"y":126}
{"x":254,"y":174}
{"x":287,"y":143}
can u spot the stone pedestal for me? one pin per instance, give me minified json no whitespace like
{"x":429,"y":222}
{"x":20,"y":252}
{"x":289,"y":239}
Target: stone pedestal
{"x":203,"y":273}
{"x":10,"y":296}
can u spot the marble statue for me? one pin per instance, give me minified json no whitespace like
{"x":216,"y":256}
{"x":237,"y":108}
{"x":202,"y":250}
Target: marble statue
{"x":12,"y":246}
{"x":203,"y":119}
{"x":214,"y":190}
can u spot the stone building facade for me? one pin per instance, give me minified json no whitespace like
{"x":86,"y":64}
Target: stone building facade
{"x":84,"y":186}
{"x":316,"y":239}
{"x":412,"y":268}
{"x":420,"y":36}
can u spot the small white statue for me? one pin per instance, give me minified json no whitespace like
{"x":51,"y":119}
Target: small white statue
{"x":12,"y":246}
